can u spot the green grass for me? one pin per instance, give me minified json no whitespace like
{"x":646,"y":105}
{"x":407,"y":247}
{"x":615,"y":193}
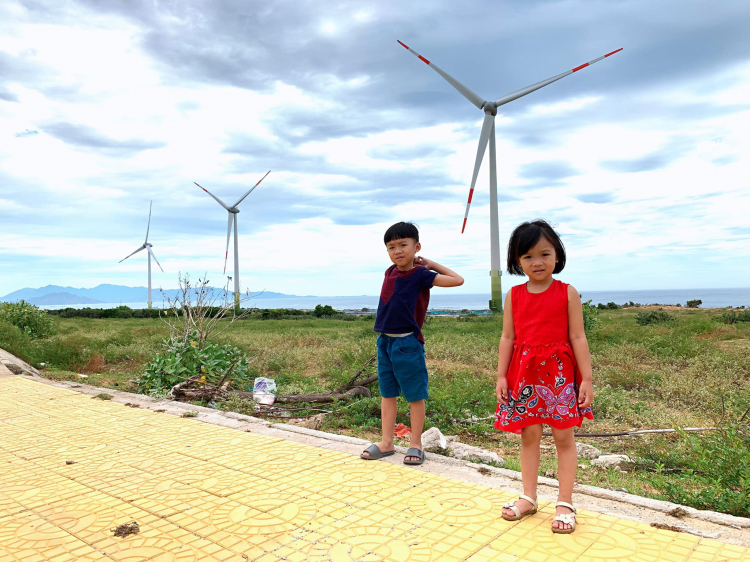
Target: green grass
{"x":685,"y":373}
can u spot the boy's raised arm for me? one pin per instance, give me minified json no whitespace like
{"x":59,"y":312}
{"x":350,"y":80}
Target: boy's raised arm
{"x":445,"y":277}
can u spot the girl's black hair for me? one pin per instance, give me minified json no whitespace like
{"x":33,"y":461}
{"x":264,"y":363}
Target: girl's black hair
{"x":401,"y":230}
{"x":525,"y":237}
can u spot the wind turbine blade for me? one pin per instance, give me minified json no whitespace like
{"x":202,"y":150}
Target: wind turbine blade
{"x":150,"y":251}
{"x":149,"y":221}
{"x":219,"y":201}
{"x":229,"y":231}
{"x":489,"y":120}
{"x":126,"y":257}
{"x":251,"y":189}
{"x":463,"y":90}
{"x":534,"y":87}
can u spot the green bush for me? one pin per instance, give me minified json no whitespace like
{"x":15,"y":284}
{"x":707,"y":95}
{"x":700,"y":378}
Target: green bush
{"x":182,"y":360}
{"x":714,"y":471}
{"x":590,"y":317}
{"x":321,"y":310}
{"x":28,"y":318}
{"x":732,"y":316}
{"x":695,"y":303}
{"x":116,"y":312}
{"x":608,"y":306}
{"x":653,"y":317}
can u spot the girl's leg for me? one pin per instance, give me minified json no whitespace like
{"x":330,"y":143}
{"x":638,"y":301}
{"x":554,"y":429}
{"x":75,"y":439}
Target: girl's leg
{"x":416,"y":417}
{"x":567,"y":464}
{"x":531,"y":438}
{"x":388,"y":420}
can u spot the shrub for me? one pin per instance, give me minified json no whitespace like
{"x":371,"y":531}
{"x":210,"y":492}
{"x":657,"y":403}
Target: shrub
{"x":695,"y":303}
{"x":653,"y":317}
{"x":28,"y":318}
{"x":714,"y":471}
{"x":732,"y":317}
{"x":608,"y":306}
{"x":116,"y":312}
{"x":321,"y":310}
{"x":590,"y":317}
{"x":181,"y":360}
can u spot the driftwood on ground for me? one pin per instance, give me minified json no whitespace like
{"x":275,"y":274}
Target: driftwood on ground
{"x":187,"y":390}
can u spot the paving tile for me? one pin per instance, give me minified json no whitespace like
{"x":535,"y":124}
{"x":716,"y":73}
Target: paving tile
{"x":26,"y":537}
{"x":629,"y":541}
{"x":709,"y":550}
{"x":164,"y":541}
{"x":92,"y":516}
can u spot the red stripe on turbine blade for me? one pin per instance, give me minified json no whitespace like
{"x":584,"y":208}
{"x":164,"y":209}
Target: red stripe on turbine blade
{"x":471,"y":194}
{"x":576,"y":69}
{"x":464,"y":226}
{"x":400,"y":43}
{"x":423,"y":59}
{"x":613,"y":52}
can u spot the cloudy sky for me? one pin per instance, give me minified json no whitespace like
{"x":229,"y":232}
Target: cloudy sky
{"x":642,"y":160}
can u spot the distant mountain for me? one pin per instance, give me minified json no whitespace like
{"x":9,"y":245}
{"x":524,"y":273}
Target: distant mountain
{"x":110,"y":294}
{"x":61,"y":298}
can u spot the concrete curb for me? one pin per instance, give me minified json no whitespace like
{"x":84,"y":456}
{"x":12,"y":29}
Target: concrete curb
{"x":242,"y":422}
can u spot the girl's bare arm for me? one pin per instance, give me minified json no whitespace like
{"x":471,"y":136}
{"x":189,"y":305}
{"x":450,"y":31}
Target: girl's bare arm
{"x":505,"y":351}
{"x":580,"y":346}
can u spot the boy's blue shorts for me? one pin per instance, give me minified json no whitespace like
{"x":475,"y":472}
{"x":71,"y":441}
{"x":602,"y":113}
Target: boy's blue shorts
{"x":402,"y":367}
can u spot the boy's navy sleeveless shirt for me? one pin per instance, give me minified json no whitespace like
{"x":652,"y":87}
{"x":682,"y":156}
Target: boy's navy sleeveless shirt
{"x":403,"y":301}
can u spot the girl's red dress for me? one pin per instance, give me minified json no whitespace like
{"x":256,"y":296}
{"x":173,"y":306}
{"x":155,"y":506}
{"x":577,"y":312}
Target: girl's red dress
{"x":543,"y":376}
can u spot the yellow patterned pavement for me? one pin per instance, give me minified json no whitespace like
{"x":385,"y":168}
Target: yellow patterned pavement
{"x":201,"y":492}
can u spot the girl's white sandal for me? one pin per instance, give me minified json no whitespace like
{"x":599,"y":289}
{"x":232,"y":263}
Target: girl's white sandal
{"x":518,"y":515}
{"x":567,"y":518}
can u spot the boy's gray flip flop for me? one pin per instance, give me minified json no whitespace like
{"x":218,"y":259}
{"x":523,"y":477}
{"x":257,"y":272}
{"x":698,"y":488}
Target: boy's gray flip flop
{"x":414,"y":452}
{"x":375,"y":453}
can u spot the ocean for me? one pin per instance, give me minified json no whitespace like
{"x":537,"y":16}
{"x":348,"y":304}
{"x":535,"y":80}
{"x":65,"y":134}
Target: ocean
{"x":446,"y":300}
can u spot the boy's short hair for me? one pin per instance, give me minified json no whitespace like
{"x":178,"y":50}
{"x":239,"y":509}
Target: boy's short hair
{"x":401,"y":230}
{"x":525,"y":237}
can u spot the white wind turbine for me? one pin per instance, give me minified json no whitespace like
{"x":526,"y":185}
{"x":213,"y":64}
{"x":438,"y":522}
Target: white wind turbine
{"x":488,"y":134}
{"x":147,"y":246}
{"x":233,"y":210}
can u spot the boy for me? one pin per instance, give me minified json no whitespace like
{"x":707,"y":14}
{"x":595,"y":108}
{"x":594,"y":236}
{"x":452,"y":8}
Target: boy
{"x":401,"y":312}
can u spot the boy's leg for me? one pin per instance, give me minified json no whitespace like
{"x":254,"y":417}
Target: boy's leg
{"x":531,"y":439}
{"x":567,"y":464}
{"x":389,"y":390}
{"x":416,"y":417}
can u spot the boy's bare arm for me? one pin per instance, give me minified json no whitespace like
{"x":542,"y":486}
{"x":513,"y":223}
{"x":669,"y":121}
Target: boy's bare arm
{"x":445,"y":277}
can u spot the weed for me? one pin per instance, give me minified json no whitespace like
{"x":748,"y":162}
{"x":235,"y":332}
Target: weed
{"x":190,"y":414}
{"x":104,"y":396}
{"x":712,"y":470}
{"x":653,"y":317}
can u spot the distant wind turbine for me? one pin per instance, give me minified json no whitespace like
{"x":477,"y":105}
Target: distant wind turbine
{"x":232,"y":218}
{"x":147,"y":246}
{"x":488,"y":134}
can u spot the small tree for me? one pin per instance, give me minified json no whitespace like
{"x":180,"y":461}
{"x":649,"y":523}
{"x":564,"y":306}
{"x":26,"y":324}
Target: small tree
{"x":196,"y":313}
{"x":695,"y":303}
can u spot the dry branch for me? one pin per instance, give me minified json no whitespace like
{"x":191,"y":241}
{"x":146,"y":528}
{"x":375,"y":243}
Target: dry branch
{"x":638,"y":432}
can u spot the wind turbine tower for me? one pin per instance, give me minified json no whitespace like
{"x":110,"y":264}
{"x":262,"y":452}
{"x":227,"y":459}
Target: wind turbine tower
{"x":488,"y":134}
{"x":147,"y":246}
{"x":232,"y":218}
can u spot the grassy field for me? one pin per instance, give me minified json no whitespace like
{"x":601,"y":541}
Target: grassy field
{"x":694,"y":372}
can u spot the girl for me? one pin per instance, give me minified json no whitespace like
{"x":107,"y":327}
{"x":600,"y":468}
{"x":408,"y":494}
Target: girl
{"x":544,"y":367}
